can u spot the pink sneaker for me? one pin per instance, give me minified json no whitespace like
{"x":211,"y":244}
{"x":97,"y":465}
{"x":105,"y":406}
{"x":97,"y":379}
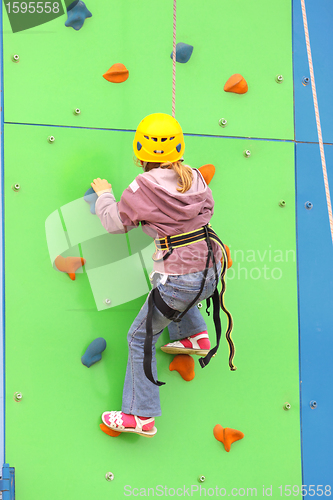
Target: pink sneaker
{"x":123,"y":422}
{"x":195,"y":344}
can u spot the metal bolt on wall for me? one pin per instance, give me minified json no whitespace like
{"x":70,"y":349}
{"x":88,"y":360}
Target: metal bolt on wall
{"x":286,"y":406}
{"x":51,"y":139}
{"x":15,"y":58}
{"x":223,"y":122}
{"x":109,"y":476}
{"x":247,"y":153}
{"x":16,"y":187}
{"x":17,"y":397}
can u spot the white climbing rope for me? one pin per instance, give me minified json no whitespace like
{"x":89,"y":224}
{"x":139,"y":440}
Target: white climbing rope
{"x":174,"y":60}
{"x":315,"y":101}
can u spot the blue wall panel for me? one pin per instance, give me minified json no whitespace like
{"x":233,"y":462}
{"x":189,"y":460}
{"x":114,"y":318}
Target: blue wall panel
{"x":320,"y":18}
{"x":315,"y":261}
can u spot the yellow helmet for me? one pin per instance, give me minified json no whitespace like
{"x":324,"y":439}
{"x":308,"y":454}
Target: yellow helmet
{"x":159,"y":138}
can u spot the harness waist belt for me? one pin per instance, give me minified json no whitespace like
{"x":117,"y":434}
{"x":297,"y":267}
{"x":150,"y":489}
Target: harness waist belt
{"x":184,"y":239}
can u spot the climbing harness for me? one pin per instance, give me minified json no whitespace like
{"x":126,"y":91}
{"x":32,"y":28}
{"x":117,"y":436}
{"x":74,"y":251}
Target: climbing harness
{"x":169,"y":243}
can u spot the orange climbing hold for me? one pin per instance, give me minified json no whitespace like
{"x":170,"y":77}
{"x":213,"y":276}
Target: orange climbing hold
{"x":229,"y":256}
{"x":227,"y":436}
{"x":184,"y":365}
{"x":69,"y":265}
{"x":207,"y":172}
{"x":108,"y":431}
{"x":118,"y":73}
{"x":236,"y":84}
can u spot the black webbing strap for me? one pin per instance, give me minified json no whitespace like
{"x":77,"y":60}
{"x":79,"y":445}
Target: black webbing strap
{"x":217,"y":322}
{"x":148,"y":347}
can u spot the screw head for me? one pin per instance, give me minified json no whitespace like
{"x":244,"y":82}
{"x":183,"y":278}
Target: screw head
{"x":199,"y":306}
{"x":223,"y":122}
{"x":16,"y":187}
{"x":286,"y":406}
{"x":308,"y":205}
{"x":15,"y":58}
{"x":51,"y":139}
{"x":313,"y":404}
{"x":107,"y":302}
{"x":305,"y":80}
{"x":202,"y":479}
{"x":18,"y":397}
{"x":279,"y":79}
{"x":247,"y":153}
{"x":109,"y":476}
{"x":77,"y":111}
{"x":282,"y":203}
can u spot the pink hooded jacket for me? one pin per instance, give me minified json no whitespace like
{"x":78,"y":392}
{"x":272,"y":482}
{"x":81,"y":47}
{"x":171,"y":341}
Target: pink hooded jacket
{"x":152,"y":199}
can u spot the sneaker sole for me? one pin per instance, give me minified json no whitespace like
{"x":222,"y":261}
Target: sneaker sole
{"x":184,"y":350}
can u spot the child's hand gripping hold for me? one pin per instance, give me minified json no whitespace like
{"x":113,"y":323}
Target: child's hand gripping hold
{"x":101,"y":186}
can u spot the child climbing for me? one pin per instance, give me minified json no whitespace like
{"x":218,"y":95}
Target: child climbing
{"x":174,"y":205}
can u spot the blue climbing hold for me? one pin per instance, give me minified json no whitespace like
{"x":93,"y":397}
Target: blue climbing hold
{"x":77,"y":12}
{"x":183,"y":52}
{"x":91,"y":197}
{"x":94,"y":352}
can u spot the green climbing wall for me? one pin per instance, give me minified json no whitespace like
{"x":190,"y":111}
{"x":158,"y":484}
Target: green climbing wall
{"x":52,"y":436}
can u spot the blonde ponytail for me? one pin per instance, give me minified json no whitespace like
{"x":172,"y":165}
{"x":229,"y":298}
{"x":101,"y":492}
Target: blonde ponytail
{"x":185,"y":175}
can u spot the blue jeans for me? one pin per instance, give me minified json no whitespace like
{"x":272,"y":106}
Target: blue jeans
{"x":140,"y":396}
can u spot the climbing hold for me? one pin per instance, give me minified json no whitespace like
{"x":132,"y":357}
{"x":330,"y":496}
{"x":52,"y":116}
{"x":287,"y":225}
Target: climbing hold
{"x":184,"y":365}
{"x":183,"y":52}
{"x":108,"y":431}
{"x":94,"y":352}
{"x":118,"y":73}
{"x":77,"y":13}
{"x":227,"y":436}
{"x":69,"y":265}
{"x":207,"y":172}
{"x":236,"y":84}
{"x":90,"y":197}
{"x":229,"y":256}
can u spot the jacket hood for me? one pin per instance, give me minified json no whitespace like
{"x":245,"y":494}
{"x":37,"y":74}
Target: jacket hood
{"x":160,"y":186}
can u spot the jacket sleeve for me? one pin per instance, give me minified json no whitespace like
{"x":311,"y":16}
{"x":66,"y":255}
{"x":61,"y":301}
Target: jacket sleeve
{"x":117,"y":217}
{"x":107,"y":210}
